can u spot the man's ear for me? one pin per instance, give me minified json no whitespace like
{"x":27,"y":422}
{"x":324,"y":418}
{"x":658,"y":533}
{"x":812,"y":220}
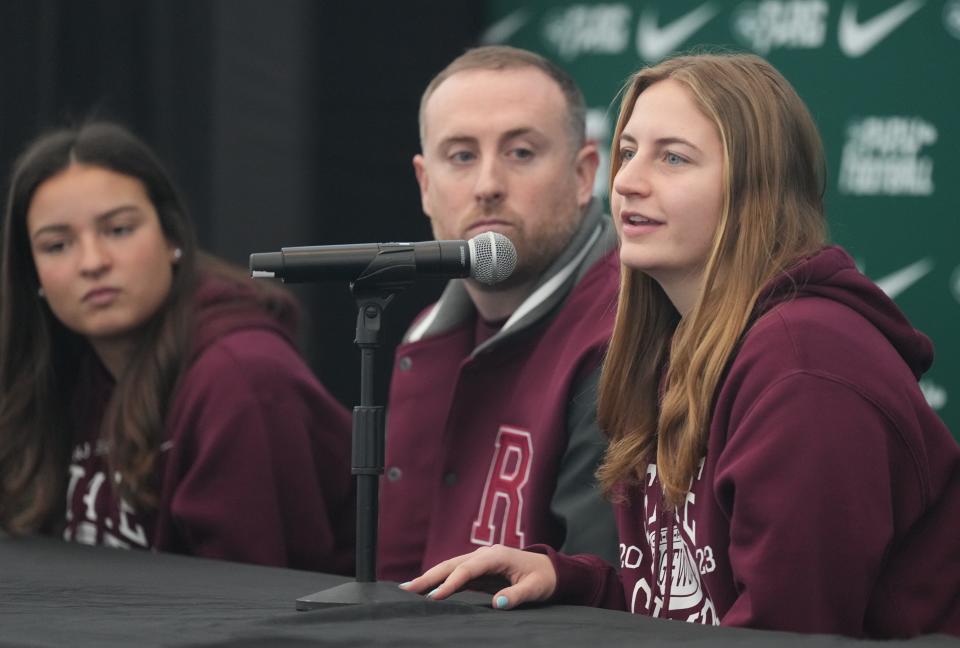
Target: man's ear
{"x":420,"y":169}
{"x":585,"y":167}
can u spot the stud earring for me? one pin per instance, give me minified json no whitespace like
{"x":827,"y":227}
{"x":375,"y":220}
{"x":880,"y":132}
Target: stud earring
{"x":40,"y":293}
{"x":177,"y":253}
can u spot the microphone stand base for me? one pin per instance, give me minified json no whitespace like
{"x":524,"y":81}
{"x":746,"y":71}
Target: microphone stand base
{"x":356,"y":594}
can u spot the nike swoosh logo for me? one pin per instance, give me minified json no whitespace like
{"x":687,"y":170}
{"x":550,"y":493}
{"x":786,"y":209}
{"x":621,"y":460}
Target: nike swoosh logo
{"x":501,"y":31}
{"x":897,"y":282}
{"x":856,"y":39}
{"x":653,"y":42}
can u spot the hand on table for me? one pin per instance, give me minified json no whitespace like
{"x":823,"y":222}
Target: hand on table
{"x":531,"y":576}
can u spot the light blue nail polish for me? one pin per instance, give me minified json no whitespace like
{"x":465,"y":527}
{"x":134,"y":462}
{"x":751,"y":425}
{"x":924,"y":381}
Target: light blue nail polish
{"x":432,"y":592}
{"x":502,"y":602}
{"x":404,"y":585}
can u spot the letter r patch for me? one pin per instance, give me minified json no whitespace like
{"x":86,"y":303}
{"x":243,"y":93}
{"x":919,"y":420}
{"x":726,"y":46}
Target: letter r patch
{"x":501,"y":507}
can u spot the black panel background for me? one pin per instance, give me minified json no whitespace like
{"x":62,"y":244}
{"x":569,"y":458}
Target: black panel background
{"x":290,"y":122}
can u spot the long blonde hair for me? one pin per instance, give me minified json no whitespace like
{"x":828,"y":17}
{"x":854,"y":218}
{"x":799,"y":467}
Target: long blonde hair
{"x":773,"y":177}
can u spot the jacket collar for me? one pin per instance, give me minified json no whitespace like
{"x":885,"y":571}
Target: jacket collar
{"x":593,"y":238}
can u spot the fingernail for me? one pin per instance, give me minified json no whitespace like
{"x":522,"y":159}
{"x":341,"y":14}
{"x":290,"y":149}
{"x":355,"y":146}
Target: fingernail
{"x":432,"y":592}
{"x":404,"y":585}
{"x":502,"y":602}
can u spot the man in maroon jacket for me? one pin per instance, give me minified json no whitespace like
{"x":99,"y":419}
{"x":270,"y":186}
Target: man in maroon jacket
{"x":491,"y":428}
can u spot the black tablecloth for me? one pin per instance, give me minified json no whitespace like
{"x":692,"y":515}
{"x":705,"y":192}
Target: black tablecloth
{"x":54,"y":593}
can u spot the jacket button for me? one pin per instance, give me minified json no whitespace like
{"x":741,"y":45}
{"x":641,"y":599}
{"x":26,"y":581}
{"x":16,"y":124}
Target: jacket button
{"x":394,"y":474}
{"x":450,"y":479}
{"x":405,"y":363}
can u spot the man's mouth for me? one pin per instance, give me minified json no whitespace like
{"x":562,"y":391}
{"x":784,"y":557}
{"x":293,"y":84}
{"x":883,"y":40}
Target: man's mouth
{"x":487,"y":224}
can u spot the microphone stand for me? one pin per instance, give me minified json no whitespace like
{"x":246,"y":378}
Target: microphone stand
{"x":373,"y":291}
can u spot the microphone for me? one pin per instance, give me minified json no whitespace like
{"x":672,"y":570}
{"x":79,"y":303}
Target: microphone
{"x":489,"y":258}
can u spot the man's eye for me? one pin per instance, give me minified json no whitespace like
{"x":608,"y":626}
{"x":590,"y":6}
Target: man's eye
{"x":461,"y":156}
{"x":522,"y":153}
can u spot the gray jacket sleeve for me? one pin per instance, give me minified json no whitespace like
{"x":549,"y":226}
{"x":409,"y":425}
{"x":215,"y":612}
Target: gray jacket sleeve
{"x":578,"y":501}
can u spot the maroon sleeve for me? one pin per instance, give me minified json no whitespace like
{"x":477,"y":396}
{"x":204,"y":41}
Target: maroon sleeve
{"x":258,"y":469}
{"x":812,"y":518}
{"x":583,"y":579}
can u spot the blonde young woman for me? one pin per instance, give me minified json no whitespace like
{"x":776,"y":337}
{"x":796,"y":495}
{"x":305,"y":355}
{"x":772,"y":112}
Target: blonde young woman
{"x":772,"y":459}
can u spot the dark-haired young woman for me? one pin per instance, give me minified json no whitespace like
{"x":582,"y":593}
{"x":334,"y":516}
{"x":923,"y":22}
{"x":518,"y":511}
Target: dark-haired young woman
{"x":150,"y":395}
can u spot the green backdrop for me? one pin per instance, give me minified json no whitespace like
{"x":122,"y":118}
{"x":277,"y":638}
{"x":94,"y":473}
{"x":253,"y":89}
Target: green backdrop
{"x":882,"y":79}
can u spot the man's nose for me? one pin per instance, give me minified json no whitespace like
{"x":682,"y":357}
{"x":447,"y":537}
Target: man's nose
{"x":490,"y":187}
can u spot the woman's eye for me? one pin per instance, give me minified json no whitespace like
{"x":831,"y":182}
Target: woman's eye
{"x":626,"y":154}
{"x":673,"y":159}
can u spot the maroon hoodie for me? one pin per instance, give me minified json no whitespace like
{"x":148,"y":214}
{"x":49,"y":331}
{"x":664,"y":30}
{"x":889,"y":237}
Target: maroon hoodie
{"x":256,"y":463}
{"x":829,"y":497}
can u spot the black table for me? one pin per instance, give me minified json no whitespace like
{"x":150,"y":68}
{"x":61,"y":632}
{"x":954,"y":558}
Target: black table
{"x":54,"y":593}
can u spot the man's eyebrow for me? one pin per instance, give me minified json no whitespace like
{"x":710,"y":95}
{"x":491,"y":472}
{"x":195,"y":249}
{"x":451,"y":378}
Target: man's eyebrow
{"x":456,"y":139}
{"x":520,"y":132}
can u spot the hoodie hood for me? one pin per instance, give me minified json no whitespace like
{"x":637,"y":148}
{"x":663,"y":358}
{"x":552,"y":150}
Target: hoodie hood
{"x":225,"y":305}
{"x":832,"y":274}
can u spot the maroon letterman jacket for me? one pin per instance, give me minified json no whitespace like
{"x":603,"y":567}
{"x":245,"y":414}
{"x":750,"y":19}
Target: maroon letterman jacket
{"x":498,"y":443}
